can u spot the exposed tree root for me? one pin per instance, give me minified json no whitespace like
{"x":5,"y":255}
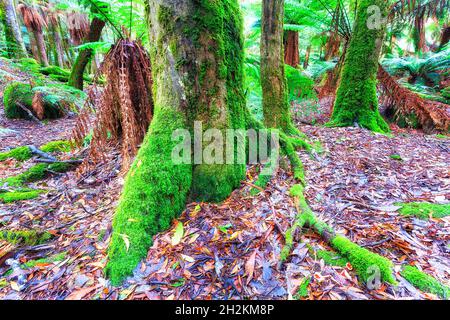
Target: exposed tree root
{"x":366,"y":264}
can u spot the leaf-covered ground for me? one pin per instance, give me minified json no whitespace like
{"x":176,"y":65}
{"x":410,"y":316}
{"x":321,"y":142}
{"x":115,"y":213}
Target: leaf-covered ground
{"x":231,"y":250}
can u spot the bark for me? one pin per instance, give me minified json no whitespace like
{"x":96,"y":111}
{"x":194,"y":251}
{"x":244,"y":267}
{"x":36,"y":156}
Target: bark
{"x":332,"y":47}
{"x":419,"y":34}
{"x":356,"y":99}
{"x":445,"y":37}
{"x":275,"y":103}
{"x":14,"y":41}
{"x":58,"y":46}
{"x":84,"y":56}
{"x":197,"y":76}
{"x":307,"y":54}
{"x":33,"y":45}
{"x":291,"y":55}
{"x":40,"y":43}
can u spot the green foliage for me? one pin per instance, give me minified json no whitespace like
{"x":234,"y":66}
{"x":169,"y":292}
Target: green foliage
{"x":26,"y":237}
{"x":396,"y":157}
{"x":19,"y":195}
{"x":425,"y":282}
{"x":424,"y":210}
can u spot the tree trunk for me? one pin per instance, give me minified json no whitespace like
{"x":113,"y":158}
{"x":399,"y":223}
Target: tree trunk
{"x":332,"y":46}
{"x":14,"y":41}
{"x":275,"y":103}
{"x":291,"y":55}
{"x":307,"y":54}
{"x":40,"y":42}
{"x":419,"y":33}
{"x":58,"y":46}
{"x":356,"y":99}
{"x":76,"y":76}
{"x":445,"y":37}
{"x":33,"y":45}
{"x":197,"y":76}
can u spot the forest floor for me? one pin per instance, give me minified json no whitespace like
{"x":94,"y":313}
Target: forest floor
{"x":231,"y":250}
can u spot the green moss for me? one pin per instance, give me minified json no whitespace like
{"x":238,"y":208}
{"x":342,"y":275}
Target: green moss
{"x":29,"y":65}
{"x":441,"y":136}
{"x":331,"y":258}
{"x":154,"y":193}
{"x":55,"y":258}
{"x":356,"y":98}
{"x":19,"y":153}
{"x":264,"y":178}
{"x":424,"y":210}
{"x":19,"y":195}
{"x":363,"y":261}
{"x":36,"y":173}
{"x":56,"y":146}
{"x":425,"y":282}
{"x":14,"y":94}
{"x":303,"y":291}
{"x":27,"y":237}
{"x":396,"y":157}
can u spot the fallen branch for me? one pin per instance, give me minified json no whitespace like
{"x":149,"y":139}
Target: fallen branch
{"x":42,"y":154}
{"x":30,"y":114}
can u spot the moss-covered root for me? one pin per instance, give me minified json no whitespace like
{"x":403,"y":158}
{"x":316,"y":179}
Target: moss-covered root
{"x":155,"y":192}
{"x":19,"y":195}
{"x":24,"y":153}
{"x":356,"y":97}
{"x":26,"y":237}
{"x":425,"y":282}
{"x":297,"y":166}
{"x":424,"y":210}
{"x":267,"y":172}
{"x":366,"y":264}
{"x":36,"y":173}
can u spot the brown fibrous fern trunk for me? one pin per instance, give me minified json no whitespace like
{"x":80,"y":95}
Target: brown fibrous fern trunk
{"x":432,"y":115}
{"x":124,"y":106}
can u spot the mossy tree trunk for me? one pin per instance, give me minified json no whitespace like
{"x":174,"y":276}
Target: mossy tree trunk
{"x":307,"y":54}
{"x":356,"y":98}
{"x":275,"y":103}
{"x":291,"y":55}
{"x":14,"y":41}
{"x":419,"y":33}
{"x":85,"y":55}
{"x":197,"y":67}
{"x":40,"y":43}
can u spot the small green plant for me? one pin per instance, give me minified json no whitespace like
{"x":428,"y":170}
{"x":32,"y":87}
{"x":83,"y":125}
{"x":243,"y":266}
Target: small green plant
{"x":396,"y":157}
{"x":303,"y":291}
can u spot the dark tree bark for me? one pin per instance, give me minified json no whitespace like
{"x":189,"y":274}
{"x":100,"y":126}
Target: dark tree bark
{"x":445,"y":37}
{"x":84,"y":56}
{"x":291,"y":55}
{"x":307,"y":54}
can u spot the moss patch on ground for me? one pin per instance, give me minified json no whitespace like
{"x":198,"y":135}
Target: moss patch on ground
{"x":19,"y":195}
{"x":19,"y":153}
{"x":424,"y":210}
{"x":36,"y":173}
{"x":332,"y":258}
{"x":55,"y":258}
{"x":26,"y":237}
{"x":425,"y":282}
{"x":24,"y":153}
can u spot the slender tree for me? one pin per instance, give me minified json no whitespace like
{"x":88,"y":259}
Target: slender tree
{"x":291,"y":54}
{"x":85,"y":55}
{"x":276,"y":107}
{"x":356,"y":99}
{"x":197,"y":66}
{"x":35,"y":24}
{"x":14,"y":41}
